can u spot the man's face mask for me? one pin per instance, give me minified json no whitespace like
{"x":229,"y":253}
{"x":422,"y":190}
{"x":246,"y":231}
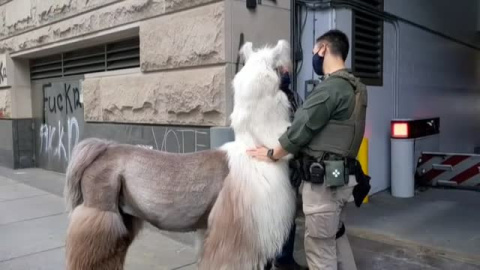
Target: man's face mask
{"x":285,"y":80}
{"x":317,"y":63}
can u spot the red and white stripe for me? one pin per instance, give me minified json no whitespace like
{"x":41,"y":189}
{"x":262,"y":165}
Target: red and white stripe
{"x":465,"y":169}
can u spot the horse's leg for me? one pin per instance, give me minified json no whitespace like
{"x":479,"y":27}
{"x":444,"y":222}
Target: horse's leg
{"x":99,"y":239}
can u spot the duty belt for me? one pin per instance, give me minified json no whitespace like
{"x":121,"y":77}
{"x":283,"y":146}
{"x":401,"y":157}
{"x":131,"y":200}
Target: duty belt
{"x":310,"y":169}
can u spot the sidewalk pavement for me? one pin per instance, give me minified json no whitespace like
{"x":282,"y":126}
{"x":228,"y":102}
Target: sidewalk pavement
{"x":33,"y":225}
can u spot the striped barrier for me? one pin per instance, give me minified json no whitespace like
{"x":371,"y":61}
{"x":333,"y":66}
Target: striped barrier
{"x":444,"y":169}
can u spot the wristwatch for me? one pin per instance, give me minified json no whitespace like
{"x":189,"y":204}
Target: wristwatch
{"x":270,"y":155}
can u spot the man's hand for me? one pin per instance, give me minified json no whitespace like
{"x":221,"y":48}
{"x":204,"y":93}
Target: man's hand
{"x":259,"y":153}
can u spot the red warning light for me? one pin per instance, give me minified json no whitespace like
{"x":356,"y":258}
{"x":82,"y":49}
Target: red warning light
{"x":400,"y":130}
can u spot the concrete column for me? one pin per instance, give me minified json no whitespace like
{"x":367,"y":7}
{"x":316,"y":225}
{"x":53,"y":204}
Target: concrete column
{"x":15,"y":90}
{"x":21,"y":95}
{"x":5,"y":97}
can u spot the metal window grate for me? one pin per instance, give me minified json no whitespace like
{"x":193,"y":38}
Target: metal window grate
{"x":367,"y":45}
{"x":373,"y":3}
{"x":123,"y":55}
{"x":111,"y":56}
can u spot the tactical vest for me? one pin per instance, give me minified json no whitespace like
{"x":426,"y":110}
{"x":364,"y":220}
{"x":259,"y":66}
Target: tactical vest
{"x":343,"y":137}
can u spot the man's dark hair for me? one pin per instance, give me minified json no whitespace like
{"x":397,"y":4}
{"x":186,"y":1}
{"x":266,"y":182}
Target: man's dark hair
{"x":337,"y":41}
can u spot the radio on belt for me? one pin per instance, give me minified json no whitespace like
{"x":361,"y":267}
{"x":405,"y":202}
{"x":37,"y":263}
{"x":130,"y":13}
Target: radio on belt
{"x":409,"y":138}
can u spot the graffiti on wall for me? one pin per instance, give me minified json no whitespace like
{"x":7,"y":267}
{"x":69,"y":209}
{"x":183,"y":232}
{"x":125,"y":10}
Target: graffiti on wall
{"x":178,"y":141}
{"x":63,"y":126}
{"x":63,"y":121}
{"x":3,"y":73}
{"x":3,"y":70}
{"x":3,"y":80}
{"x":172,"y":139}
{"x":52,"y":138}
{"x":66,"y":102}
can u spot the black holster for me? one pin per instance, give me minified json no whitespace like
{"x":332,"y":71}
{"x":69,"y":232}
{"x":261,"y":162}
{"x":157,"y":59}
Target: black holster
{"x":296,"y":172}
{"x":361,"y":190}
{"x":305,"y":168}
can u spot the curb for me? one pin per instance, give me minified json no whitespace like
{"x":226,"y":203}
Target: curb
{"x":420,"y":248}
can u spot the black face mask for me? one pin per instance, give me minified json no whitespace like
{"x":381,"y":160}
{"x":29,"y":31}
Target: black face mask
{"x":317,"y":63}
{"x":285,"y":81}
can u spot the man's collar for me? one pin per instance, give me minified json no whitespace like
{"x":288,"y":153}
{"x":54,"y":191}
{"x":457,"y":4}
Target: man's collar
{"x":326,"y":76}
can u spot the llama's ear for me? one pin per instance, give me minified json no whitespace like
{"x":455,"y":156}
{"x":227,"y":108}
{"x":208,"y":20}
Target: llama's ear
{"x":281,"y":55}
{"x":246,"y":51}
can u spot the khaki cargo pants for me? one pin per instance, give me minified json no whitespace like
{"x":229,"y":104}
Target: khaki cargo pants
{"x":324,"y":214}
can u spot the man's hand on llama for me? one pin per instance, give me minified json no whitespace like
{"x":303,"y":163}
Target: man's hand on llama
{"x":260,"y":153}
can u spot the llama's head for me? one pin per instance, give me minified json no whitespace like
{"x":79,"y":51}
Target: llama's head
{"x":260,"y":107}
{"x":260,"y":75}
{"x":273,"y":57}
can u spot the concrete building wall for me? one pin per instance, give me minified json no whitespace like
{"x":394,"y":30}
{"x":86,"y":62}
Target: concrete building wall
{"x":170,"y":93}
{"x":5,"y":103}
{"x":458,"y":19}
{"x":436,"y":78}
{"x":188,"y":58}
{"x":6,"y":75}
{"x":34,"y":28}
{"x":424,"y":75}
{"x":32,"y":23}
{"x":187,"y":97}
{"x":6,"y":143}
{"x":174,"y":35}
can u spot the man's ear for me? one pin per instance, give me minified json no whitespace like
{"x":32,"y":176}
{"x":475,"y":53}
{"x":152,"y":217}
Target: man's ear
{"x":281,"y":55}
{"x":246,"y":51}
{"x":323,"y":50}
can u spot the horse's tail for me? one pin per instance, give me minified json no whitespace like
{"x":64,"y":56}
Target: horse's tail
{"x":83,"y":155}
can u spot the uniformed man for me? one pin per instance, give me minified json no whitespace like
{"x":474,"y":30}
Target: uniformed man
{"x":325,"y":135}
{"x":285,"y":260}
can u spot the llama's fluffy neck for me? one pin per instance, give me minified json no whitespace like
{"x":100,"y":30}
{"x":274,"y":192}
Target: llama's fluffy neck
{"x":259,"y":117}
{"x":261,"y":111}
{"x":260,"y":121}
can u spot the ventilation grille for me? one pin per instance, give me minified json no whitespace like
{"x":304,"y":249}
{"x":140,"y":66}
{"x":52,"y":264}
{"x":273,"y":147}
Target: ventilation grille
{"x":367,"y":56}
{"x":378,"y":4}
{"x":111,"y":56}
{"x":47,"y":67}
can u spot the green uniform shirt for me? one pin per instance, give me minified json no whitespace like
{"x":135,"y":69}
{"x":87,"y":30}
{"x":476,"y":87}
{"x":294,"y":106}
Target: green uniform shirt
{"x":333,"y":99}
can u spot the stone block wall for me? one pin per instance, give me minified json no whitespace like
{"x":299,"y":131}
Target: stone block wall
{"x":185,"y":97}
{"x":5,"y":91}
{"x":187,"y":52}
{"x":194,"y":37}
{"x":5,"y":102}
{"x":27,"y":24}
